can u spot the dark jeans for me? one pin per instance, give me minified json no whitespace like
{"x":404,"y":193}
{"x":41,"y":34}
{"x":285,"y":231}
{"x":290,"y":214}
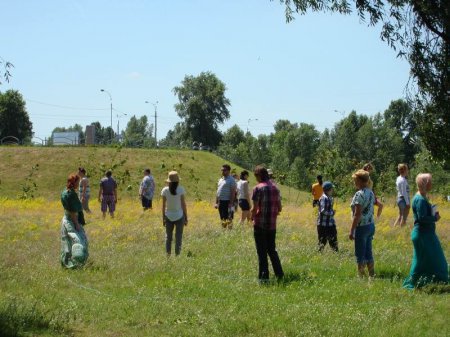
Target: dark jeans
{"x":327,"y":233}
{"x":224,"y":210}
{"x":265,"y":245}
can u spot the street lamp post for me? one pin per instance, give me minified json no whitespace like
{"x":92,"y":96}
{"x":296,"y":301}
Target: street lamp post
{"x":110,"y":100}
{"x":118,"y":118}
{"x":155,"y":105}
{"x":250,"y":120}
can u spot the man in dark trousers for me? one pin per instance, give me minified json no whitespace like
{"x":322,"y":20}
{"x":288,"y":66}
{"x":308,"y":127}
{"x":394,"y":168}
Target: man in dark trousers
{"x":266,"y":207}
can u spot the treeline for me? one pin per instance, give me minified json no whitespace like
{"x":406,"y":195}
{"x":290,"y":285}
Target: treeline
{"x":297,"y":153}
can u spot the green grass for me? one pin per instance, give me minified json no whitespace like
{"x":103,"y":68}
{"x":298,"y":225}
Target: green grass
{"x":130,"y":288}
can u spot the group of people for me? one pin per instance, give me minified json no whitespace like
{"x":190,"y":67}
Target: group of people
{"x":429,"y":263}
{"x":262,"y":206}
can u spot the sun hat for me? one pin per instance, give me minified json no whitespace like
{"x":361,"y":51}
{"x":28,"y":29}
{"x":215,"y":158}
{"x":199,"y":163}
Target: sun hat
{"x":327,"y":185}
{"x":173,"y":177}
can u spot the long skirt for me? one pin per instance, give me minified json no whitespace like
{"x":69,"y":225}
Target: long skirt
{"x":429,"y":264}
{"x":74,"y":244}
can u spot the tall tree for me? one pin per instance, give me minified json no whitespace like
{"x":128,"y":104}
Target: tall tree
{"x":400,"y":116}
{"x":139,"y":133}
{"x":14,"y":119}
{"x":420,"y":31}
{"x":103,"y":135}
{"x":233,"y":136}
{"x":203,"y":106}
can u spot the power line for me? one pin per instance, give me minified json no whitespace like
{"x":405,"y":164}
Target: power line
{"x":64,"y":107}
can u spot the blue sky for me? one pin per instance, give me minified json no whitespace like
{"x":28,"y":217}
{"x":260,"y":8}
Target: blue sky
{"x":64,"y":52}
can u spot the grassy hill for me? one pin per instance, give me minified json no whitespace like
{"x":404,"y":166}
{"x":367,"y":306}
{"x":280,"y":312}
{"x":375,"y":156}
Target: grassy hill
{"x":198,"y":170}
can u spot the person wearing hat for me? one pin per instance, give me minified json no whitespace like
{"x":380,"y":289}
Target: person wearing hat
{"x":174,"y":211}
{"x":326,"y":226}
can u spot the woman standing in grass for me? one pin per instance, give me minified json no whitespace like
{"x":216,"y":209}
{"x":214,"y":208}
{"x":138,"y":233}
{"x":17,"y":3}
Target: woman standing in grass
{"x":84,"y":189}
{"x":74,"y":243}
{"x":174,"y":212}
{"x":244,"y":197}
{"x":403,"y":201}
{"x":429,"y":263}
{"x":363,"y":226}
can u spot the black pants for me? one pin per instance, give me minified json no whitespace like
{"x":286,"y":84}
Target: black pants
{"x":265,"y":245}
{"x":224,"y":210}
{"x":327,"y":234}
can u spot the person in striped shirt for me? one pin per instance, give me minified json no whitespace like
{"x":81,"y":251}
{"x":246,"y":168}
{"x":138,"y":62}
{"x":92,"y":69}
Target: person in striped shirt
{"x":326,"y":226}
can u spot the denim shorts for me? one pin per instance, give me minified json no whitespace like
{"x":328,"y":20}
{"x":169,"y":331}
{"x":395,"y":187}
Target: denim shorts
{"x":363,"y":243}
{"x":401,"y":203}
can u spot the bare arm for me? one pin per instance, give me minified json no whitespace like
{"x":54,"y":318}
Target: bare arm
{"x":163,"y":209}
{"x":183,"y":206}
{"x":355,"y":221}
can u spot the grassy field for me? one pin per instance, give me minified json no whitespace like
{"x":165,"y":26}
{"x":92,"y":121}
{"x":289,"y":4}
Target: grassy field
{"x":130,"y":288}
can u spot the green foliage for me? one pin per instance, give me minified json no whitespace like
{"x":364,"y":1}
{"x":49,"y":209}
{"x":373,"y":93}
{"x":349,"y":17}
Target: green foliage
{"x":103,"y":135}
{"x":203,"y":106}
{"x":6,"y":70}
{"x":138,"y":133}
{"x":14,"y":119}
{"x":420,"y":32}
{"x":298,"y":152}
{"x":29,"y":186}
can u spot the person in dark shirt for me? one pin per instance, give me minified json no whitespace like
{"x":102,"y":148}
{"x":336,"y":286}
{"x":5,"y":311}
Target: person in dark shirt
{"x":107,"y":194}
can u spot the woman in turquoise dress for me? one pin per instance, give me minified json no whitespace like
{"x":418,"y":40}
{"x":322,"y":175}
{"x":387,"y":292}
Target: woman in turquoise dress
{"x":429,"y":264}
{"x":74,"y":243}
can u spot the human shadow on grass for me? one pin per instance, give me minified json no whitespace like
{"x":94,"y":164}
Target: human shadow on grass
{"x":435,"y":288}
{"x":393,"y":275}
{"x":303,"y":277}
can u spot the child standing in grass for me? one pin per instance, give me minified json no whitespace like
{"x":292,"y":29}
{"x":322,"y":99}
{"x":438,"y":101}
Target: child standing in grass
{"x":326,"y":226}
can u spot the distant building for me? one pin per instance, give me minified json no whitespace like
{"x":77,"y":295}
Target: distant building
{"x":90,"y":135}
{"x":66,"y":138}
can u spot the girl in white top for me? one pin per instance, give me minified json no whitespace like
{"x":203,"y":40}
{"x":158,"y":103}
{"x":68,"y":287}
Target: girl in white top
{"x":403,"y":201}
{"x":243,"y":193}
{"x":174,"y":212}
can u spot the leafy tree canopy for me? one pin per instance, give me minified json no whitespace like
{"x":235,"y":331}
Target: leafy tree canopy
{"x":420,"y":31}
{"x":203,"y":106}
{"x":14,"y":119}
{"x":139,"y":133}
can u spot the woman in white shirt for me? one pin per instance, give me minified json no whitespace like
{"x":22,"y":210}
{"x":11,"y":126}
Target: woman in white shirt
{"x":243,"y":195}
{"x":174,"y":212}
{"x":403,"y":201}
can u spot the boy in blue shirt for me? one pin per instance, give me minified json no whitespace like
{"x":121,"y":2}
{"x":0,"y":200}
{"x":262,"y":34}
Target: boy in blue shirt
{"x":326,"y":226}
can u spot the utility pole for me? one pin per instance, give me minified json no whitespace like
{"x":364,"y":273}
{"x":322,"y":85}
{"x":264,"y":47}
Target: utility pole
{"x":110,"y":99}
{"x":155,"y":105}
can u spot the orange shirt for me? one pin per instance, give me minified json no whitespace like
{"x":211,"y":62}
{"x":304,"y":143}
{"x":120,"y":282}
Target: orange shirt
{"x":317,"y":191}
